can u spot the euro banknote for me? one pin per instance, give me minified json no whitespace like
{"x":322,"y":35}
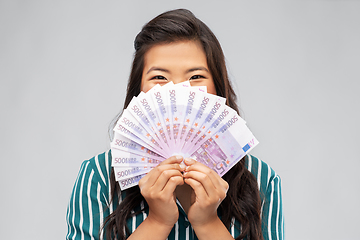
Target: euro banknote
{"x":177,"y":119}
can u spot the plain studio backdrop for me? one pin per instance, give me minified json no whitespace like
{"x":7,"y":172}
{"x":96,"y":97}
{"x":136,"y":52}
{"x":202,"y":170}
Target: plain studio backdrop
{"x":294,"y":64}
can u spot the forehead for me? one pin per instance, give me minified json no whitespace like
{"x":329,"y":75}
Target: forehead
{"x":178,"y":53}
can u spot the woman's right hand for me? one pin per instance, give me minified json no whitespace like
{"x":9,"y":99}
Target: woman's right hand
{"x":158,"y":189}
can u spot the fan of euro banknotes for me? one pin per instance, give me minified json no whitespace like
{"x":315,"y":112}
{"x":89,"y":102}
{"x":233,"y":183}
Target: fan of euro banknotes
{"x":177,"y":119}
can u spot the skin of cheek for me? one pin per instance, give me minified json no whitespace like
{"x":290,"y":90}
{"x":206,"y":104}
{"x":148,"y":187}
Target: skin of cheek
{"x":146,"y":85}
{"x":143,"y":88}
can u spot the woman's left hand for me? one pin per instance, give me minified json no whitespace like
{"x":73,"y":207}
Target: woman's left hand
{"x":209,"y":191}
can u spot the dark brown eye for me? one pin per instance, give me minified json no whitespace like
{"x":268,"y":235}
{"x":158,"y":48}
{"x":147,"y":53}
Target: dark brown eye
{"x":196,"y":77}
{"x":159,"y":77}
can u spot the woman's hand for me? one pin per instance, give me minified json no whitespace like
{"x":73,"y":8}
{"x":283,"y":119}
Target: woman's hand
{"x":158,"y":188}
{"x":209,"y":191}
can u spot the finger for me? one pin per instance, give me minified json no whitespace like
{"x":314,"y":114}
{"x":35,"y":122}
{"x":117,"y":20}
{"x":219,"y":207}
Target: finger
{"x":173,"y":159}
{"x":204,"y":180}
{"x":219,"y":183}
{"x":198,"y":188}
{"x":170,"y":163}
{"x":189,"y":161}
{"x":193,"y":165}
{"x":164,"y":178}
{"x":171,"y":185}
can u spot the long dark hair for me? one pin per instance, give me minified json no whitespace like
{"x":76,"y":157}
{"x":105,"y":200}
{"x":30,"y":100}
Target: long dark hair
{"x":243,"y":199}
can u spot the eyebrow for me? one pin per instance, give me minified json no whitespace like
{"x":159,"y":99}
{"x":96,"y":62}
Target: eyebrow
{"x":165,"y":70}
{"x":198,"y":69}
{"x":157,"y":69}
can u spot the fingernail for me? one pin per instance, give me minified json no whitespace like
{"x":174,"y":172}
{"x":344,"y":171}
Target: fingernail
{"x":178,"y":157}
{"x":182,"y":166}
{"x":189,"y":160}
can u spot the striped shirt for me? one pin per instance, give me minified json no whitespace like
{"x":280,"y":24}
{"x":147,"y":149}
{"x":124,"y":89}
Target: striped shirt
{"x":90,"y":203}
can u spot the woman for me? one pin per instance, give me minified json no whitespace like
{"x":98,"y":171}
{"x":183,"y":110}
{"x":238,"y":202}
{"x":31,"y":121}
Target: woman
{"x":174,"y":200}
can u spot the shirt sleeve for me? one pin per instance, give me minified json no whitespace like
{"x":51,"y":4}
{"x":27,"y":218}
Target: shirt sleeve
{"x":88,"y":204}
{"x":272,"y":214}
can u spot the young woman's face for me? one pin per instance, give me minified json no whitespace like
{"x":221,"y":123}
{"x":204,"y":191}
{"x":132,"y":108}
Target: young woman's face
{"x":176,"y":62}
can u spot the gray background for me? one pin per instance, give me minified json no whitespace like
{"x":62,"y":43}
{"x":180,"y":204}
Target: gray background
{"x":294,"y":64}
